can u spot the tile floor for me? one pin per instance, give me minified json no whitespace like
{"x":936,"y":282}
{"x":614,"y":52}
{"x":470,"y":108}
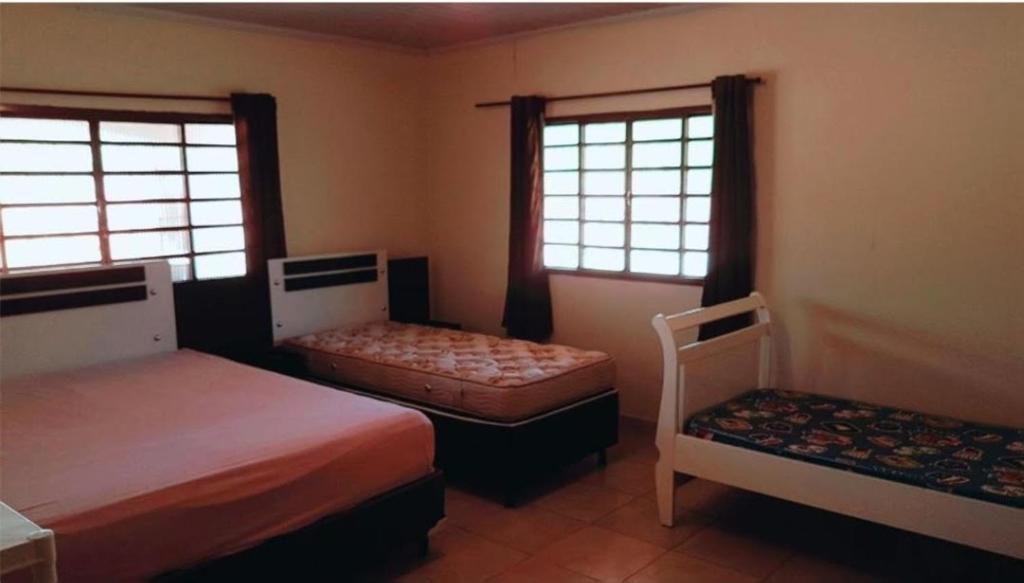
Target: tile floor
{"x":600,"y":524}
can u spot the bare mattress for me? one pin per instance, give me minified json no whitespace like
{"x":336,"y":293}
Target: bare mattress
{"x":484,"y":376}
{"x":157,"y":463}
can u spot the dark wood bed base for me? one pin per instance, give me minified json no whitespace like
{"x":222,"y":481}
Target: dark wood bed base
{"x":513,"y":455}
{"x":336,"y":546}
{"x":509,"y":456}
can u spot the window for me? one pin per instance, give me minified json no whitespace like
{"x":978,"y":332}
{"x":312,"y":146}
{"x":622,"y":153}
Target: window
{"x":88,"y":187}
{"x":629,"y":194}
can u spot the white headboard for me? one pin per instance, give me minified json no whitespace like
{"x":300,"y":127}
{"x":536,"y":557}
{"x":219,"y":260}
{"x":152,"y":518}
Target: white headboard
{"x":320,"y":292}
{"x":54,"y":320}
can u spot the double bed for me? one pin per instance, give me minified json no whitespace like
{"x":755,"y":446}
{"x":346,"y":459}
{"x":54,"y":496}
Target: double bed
{"x":174,"y":463}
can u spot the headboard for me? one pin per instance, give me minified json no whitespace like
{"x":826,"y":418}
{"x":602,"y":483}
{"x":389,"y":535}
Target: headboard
{"x":320,"y":292}
{"x":53,"y":320}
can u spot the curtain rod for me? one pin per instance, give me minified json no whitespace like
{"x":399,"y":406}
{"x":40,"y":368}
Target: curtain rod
{"x":114,"y":94}
{"x":754,"y":80}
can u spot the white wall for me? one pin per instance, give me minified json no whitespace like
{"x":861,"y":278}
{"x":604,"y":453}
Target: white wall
{"x":349,"y":121}
{"x":890,"y":167}
{"x":888,"y":144}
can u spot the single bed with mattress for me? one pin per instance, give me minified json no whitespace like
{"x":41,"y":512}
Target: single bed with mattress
{"x":476,"y":374}
{"x":948,"y":478}
{"x":173,"y":461}
{"x":502,"y":408}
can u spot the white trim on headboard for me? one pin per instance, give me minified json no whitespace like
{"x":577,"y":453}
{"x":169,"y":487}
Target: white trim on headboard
{"x":44,"y":339}
{"x":350,"y":288}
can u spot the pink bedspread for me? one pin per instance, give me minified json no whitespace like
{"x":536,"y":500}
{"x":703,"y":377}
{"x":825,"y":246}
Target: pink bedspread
{"x":162,"y":462}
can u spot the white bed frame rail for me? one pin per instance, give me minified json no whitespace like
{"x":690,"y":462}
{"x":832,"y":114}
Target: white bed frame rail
{"x":989,"y":526}
{"x":69,"y":318}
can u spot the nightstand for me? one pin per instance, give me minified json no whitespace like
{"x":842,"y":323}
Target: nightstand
{"x":26,"y":547}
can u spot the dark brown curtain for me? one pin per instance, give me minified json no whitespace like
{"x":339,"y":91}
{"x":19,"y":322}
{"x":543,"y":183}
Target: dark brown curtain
{"x":731,"y":268}
{"x":231,"y":316}
{"x":528,"y":298}
{"x":260,"y":172}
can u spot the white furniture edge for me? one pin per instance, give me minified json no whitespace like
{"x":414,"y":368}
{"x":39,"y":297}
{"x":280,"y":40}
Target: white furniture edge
{"x":985,"y":525}
{"x":298,"y":312}
{"x":76,"y":337}
{"x":26,"y":546}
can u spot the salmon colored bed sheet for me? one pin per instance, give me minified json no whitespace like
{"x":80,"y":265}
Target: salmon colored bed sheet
{"x":159,"y":463}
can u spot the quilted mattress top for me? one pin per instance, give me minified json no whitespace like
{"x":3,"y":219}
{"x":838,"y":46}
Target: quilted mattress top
{"x":479,"y":358}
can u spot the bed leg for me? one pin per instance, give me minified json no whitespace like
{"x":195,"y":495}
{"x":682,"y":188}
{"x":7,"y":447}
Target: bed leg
{"x":602,"y":457}
{"x":665,"y":485}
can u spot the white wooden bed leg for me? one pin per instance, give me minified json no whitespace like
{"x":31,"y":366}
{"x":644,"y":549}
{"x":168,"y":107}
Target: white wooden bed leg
{"x":669,"y":416}
{"x":665,"y":486}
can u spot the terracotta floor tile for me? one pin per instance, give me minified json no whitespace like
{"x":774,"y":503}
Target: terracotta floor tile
{"x":709,"y":498}
{"x":744,"y":553}
{"x":680,"y":568}
{"x":601,"y":554}
{"x":639,"y":519}
{"x":583,"y":501}
{"x":636,"y":441}
{"x":460,"y":556}
{"x":631,"y":477}
{"x":644,"y":455}
{"x":535,"y":570}
{"x":528,"y":528}
{"x":805,"y":569}
{"x":462,"y":507}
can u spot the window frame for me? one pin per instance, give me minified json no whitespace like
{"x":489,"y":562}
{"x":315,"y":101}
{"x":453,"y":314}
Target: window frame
{"x":628,"y":117}
{"x":94,"y":117}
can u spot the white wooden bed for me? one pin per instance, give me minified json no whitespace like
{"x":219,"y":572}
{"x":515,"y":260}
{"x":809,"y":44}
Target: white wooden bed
{"x":978,"y":523}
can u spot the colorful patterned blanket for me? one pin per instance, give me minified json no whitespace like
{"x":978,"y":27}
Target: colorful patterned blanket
{"x":968,"y":459}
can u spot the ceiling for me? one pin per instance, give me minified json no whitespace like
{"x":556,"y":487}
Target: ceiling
{"x":420,"y":26}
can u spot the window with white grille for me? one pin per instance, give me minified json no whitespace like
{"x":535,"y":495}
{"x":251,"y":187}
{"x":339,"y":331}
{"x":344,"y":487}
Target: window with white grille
{"x":629,"y":194}
{"x":89,"y":189}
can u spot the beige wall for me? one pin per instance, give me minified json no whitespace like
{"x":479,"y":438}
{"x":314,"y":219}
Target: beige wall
{"x":890,"y":162}
{"x":348,"y":118}
{"x":889,"y":151}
